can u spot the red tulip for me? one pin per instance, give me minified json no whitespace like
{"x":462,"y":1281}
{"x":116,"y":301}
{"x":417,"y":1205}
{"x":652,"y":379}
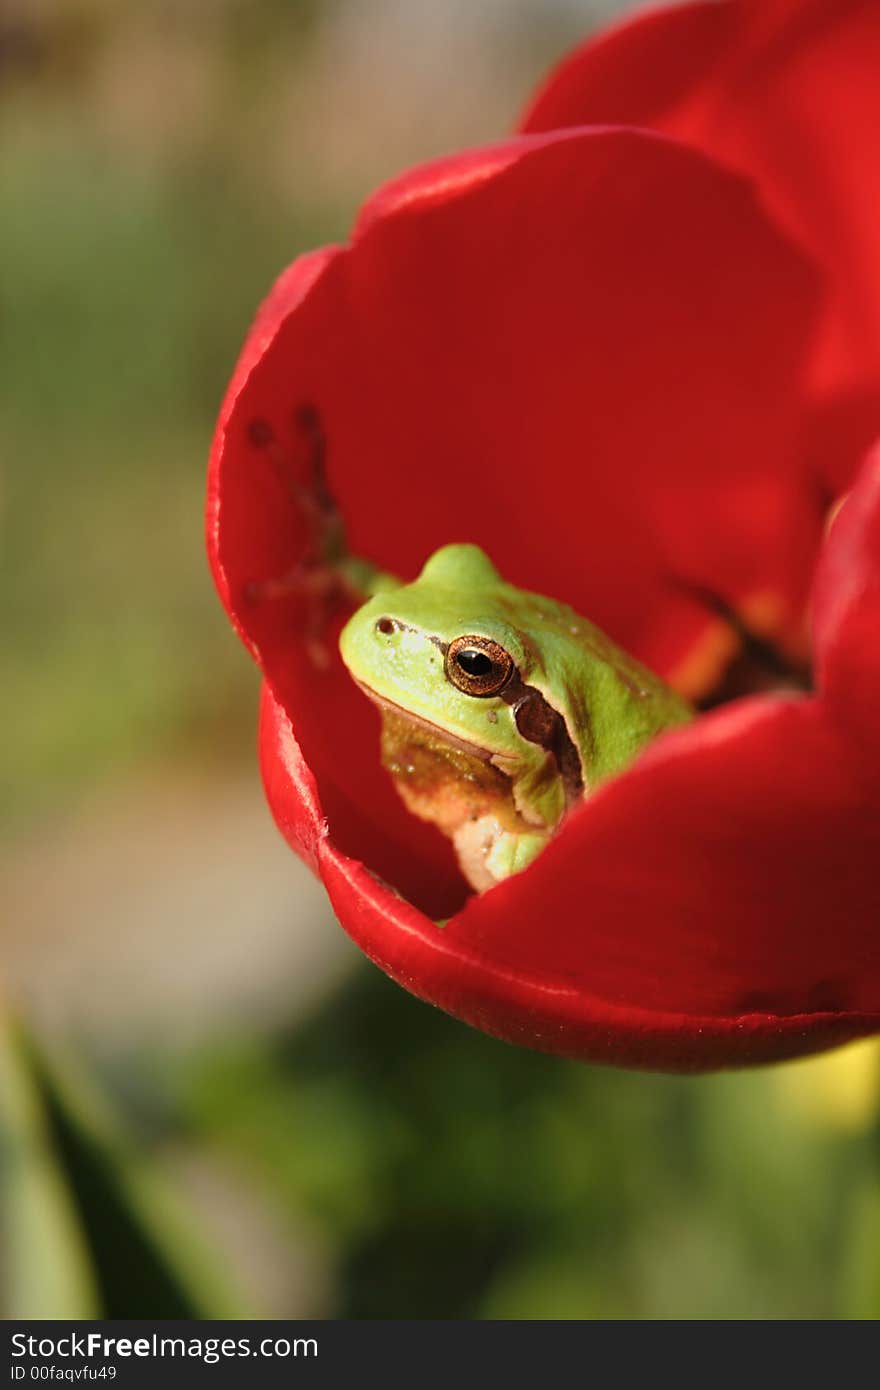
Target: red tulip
{"x":788,"y":92}
{"x":591,"y":351}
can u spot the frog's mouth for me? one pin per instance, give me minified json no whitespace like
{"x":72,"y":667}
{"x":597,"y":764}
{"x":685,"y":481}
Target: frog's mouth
{"x":419,"y":721}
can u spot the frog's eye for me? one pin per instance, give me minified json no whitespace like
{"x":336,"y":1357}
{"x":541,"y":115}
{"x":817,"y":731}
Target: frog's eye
{"x":478,"y":666}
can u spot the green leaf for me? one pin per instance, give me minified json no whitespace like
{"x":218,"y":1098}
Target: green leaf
{"x":100,"y":1232}
{"x":47,"y":1264}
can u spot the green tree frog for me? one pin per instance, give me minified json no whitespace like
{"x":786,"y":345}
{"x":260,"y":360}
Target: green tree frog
{"x":500,"y":709}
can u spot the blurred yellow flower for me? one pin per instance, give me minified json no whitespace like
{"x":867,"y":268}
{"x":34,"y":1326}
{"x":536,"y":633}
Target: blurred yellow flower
{"x":838,"y":1090}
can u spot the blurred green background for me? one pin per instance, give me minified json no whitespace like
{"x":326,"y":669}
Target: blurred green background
{"x":211,"y":1103}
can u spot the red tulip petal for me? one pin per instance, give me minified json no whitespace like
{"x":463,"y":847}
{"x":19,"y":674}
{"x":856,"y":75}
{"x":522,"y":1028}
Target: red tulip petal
{"x":835,"y":434}
{"x":786,"y":90}
{"x":638,"y":71}
{"x":358,"y":804}
{"x":846,"y":617}
{"x":717,"y":905}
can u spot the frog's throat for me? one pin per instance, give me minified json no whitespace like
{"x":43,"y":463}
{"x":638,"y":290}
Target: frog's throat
{"x":441,"y":734}
{"x":536,"y":719}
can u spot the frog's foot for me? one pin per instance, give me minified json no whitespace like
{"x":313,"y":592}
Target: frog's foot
{"x":324,"y":590}
{"x":302,"y":472}
{"x":488,"y":853}
{"x":324,"y":576}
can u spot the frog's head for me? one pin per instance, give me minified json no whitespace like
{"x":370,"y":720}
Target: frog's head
{"x":441,"y":651}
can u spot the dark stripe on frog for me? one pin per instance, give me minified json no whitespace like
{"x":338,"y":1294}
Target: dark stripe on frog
{"x":537,"y":721}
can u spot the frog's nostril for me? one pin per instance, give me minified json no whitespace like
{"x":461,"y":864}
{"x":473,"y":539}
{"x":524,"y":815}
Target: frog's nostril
{"x":386,"y":626}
